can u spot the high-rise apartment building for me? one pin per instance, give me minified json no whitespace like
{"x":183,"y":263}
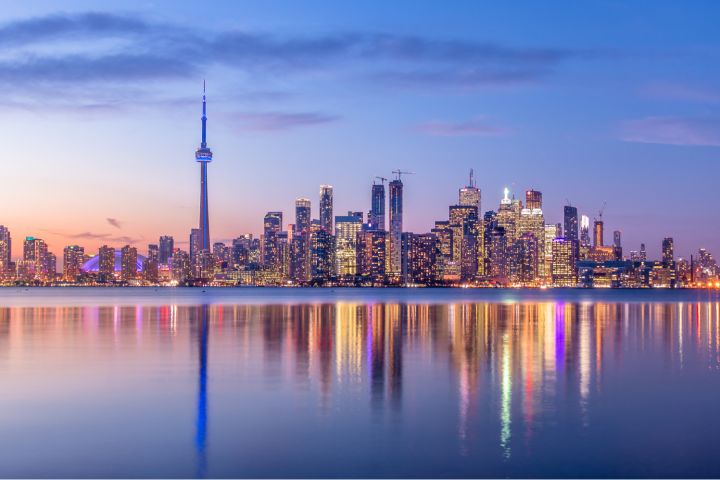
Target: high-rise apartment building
{"x":376,"y":219}
{"x":302,"y":215}
{"x":272,"y":226}
{"x":128,"y":263}
{"x":347,"y":229}
{"x":106,"y":264}
{"x":396,"y":226}
{"x":35,"y":256}
{"x":371,"y":257}
{"x":5,"y":249}
{"x":552,"y":231}
{"x":326,"y":208}
{"x":73,"y":259}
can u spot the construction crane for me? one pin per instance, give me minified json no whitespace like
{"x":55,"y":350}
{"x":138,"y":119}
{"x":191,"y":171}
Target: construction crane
{"x":568,"y":202}
{"x":382,"y":180}
{"x":602,"y":209}
{"x":399,"y":173}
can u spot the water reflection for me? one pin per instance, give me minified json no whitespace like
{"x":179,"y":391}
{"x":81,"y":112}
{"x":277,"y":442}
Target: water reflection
{"x":512,"y":375}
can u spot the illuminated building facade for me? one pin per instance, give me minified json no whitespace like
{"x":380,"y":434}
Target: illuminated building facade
{"x":167,"y":245}
{"x":5,"y":249}
{"x":371,"y":258}
{"x":272,"y":225}
{"x":376,"y":220}
{"x":570,"y":227}
{"x":73,"y":260}
{"x":106,"y":264}
{"x":128,"y":270}
{"x":598,"y":233}
{"x":564,"y":262}
{"x":326,"y":208}
{"x":347,"y":229}
{"x":396,"y":226}
{"x":668,"y":250}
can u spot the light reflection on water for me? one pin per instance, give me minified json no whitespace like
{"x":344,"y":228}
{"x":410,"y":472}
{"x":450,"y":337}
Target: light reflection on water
{"x":361,"y":389}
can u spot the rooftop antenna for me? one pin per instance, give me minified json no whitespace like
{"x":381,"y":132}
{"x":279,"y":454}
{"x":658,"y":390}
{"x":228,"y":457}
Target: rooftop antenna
{"x":472,"y":178}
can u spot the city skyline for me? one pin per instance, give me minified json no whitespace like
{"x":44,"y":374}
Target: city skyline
{"x":592,"y":121}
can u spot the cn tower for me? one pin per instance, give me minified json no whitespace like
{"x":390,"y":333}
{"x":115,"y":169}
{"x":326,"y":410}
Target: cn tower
{"x":204,"y":156}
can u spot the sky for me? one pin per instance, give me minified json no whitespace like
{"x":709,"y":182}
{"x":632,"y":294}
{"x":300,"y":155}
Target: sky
{"x":589,"y":102}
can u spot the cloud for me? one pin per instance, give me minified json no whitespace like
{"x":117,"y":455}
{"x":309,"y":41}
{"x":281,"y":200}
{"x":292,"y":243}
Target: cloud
{"x":74,"y":53}
{"x":685,"y":131}
{"x":276,"y":121}
{"x":85,"y":235}
{"x":683,"y":92}
{"x":114,"y":222}
{"x":478,"y":127}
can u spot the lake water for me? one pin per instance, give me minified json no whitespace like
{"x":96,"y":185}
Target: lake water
{"x":261,"y":382}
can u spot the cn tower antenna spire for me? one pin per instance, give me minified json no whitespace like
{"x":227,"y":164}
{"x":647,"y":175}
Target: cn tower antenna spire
{"x":203,"y":144}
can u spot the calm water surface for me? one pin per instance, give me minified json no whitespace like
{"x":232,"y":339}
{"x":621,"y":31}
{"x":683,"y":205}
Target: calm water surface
{"x":358,"y":383}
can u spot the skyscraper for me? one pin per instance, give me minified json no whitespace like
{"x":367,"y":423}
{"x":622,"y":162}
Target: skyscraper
{"x":371,"y":259}
{"x":73,"y":259}
{"x":35,"y":254}
{"x":326,"y":208}
{"x":570,"y":228}
{"x":106,"y":264}
{"x":470,"y":195}
{"x":533,"y":199}
{"x":584,"y":231}
{"x":396,"y":226}
{"x":346,"y":232}
{"x":204,"y":156}
{"x":377,"y":211}
{"x":167,"y":245}
{"x":598,"y":233}
{"x":564,"y":262}
{"x":668,"y":255}
{"x":302,"y":215}
{"x":617,"y":245}
{"x":128,"y":263}
{"x":508,"y":216}
{"x":272,"y":226}
{"x":5,"y":248}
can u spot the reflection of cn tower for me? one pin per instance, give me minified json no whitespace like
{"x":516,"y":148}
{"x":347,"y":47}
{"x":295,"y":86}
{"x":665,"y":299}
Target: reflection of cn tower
{"x":201,"y":421}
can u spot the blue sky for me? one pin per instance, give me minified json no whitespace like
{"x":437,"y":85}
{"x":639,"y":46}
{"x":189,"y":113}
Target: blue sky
{"x":586,"y":101}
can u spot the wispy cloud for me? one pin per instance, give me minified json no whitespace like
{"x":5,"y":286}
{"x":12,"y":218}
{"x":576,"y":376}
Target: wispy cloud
{"x":683,"y":92}
{"x":76,"y":52}
{"x":84,"y":235}
{"x":114,"y":222}
{"x":275,"y":121}
{"x":478,"y":127}
{"x":685,"y":131}
{"x":106,"y":237}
